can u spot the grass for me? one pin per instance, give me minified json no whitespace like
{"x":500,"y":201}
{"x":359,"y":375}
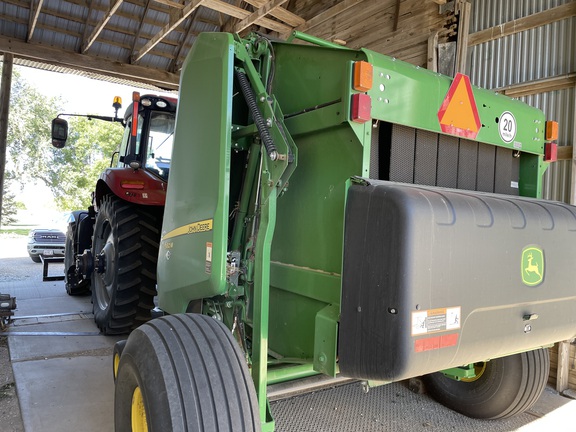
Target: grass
{"x":15,"y":231}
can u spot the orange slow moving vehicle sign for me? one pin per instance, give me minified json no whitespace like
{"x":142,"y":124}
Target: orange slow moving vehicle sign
{"x":458,"y":114}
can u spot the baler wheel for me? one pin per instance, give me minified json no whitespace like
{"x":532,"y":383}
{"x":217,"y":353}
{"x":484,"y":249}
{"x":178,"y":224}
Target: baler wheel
{"x":506,"y":386}
{"x":126,"y":241}
{"x":73,"y":286}
{"x":116,"y":354}
{"x":188,"y":374}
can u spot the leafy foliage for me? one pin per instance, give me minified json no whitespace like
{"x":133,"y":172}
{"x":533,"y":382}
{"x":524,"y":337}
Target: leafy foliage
{"x":71,"y":172}
{"x":77,"y":166}
{"x":29,"y":130}
{"x":9,"y":204}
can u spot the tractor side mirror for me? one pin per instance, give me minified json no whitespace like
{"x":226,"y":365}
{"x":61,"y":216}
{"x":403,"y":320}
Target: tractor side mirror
{"x":59,"y":132}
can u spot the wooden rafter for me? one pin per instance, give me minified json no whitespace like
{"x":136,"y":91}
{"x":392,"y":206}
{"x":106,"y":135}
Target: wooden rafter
{"x":526,"y":23}
{"x":175,"y":21}
{"x":105,"y":41}
{"x":236,"y":12}
{"x":174,"y":63}
{"x":171,"y":3}
{"x":258,"y":13}
{"x":100,"y":25}
{"x":328,"y":14}
{"x":91,"y":4}
{"x":117,"y":29}
{"x":88,"y":63}
{"x":280,"y":13}
{"x":227,"y":25}
{"x":183,"y":11}
{"x":543,"y":85}
{"x":34,"y":13}
{"x":139,"y":32}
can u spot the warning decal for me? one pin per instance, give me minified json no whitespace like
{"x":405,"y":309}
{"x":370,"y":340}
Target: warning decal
{"x":208,"y":267}
{"x":458,"y":114}
{"x":435,"y":320}
{"x":435,"y":342}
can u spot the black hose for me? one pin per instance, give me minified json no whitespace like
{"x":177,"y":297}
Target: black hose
{"x":257,"y":115}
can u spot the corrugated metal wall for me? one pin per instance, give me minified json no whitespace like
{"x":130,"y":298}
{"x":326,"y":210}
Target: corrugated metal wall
{"x":543,"y":52}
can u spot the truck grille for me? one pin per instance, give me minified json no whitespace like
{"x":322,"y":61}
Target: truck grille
{"x":407,"y":155}
{"x":50,"y":238}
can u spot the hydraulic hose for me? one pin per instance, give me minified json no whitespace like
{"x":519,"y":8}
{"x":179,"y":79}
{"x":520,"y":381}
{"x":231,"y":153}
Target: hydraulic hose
{"x":257,"y":115}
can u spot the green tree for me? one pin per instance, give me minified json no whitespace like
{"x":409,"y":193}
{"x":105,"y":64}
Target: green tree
{"x":29,"y":149}
{"x":71,"y":172}
{"x":9,"y":204}
{"x":77,"y":166}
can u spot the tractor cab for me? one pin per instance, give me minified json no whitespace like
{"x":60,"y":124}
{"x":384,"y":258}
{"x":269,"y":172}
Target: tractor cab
{"x":148,"y":133}
{"x":147,"y":142}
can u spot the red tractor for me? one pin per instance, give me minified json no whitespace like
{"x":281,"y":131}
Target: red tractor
{"x":112,"y":248}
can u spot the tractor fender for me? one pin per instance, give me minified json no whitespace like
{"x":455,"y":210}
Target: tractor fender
{"x":135,"y":186}
{"x":81,"y":224}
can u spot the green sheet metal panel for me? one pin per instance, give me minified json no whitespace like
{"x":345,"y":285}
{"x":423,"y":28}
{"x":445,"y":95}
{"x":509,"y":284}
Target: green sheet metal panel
{"x":307,"y":247}
{"x":308,"y":237}
{"x":409,"y":95}
{"x":192,"y":257}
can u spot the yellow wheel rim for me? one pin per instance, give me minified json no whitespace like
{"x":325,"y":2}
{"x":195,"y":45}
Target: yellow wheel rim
{"x":139,"y":423}
{"x":116,"y":364}
{"x":479,"y":369}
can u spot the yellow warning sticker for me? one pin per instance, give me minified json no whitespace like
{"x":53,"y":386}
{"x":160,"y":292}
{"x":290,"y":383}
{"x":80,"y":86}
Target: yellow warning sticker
{"x":193,"y":228}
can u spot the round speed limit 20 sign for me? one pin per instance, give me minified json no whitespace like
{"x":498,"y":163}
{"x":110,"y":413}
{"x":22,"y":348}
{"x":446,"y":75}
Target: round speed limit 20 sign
{"x":507,"y":127}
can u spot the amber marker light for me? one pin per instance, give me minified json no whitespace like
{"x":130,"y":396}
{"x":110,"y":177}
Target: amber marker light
{"x":363,"y":76}
{"x":551,"y":130}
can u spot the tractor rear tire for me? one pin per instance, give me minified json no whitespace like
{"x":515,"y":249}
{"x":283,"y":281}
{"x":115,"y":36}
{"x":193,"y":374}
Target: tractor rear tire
{"x":127,"y":236}
{"x":503,"y":387}
{"x":182,"y":373}
{"x":75,"y":286}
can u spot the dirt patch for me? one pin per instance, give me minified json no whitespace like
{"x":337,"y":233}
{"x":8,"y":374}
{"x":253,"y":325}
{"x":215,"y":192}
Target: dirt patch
{"x":11,"y":418}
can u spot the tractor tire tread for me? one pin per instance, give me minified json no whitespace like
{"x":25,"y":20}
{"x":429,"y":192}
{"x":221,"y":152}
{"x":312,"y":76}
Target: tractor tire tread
{"x":131,"y":302}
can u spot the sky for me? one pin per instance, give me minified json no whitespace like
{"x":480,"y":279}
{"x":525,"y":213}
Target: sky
{"x":80,"y":96}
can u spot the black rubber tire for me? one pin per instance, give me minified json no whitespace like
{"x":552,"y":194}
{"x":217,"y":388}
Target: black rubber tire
{"x":35,"y":258}
{"x":75,"y":286}
{"x":192,"y":377}
{"x":116,"y":354}
{"x":123,"y":295}
{"x":508,"y":386}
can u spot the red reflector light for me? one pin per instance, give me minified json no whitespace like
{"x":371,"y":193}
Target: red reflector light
{"x":132,"y":185}
{"x":551,"y":130}
{"x":550,"y":152}
{"x":363,"y":76}
{"x":361,"y":108}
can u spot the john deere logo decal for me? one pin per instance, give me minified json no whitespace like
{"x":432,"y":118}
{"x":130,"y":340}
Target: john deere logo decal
{"x":532,"y":265}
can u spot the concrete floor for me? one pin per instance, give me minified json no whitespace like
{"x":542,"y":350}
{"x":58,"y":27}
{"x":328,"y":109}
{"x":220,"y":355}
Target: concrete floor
{"x":63,"y":374}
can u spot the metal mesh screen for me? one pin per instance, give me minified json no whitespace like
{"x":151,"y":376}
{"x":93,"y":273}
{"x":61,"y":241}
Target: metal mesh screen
{"x":409,"y":155}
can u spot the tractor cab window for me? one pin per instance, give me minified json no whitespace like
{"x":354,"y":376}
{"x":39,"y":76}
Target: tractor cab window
{"x":125,"y":145}
{"x":160,"y":140}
